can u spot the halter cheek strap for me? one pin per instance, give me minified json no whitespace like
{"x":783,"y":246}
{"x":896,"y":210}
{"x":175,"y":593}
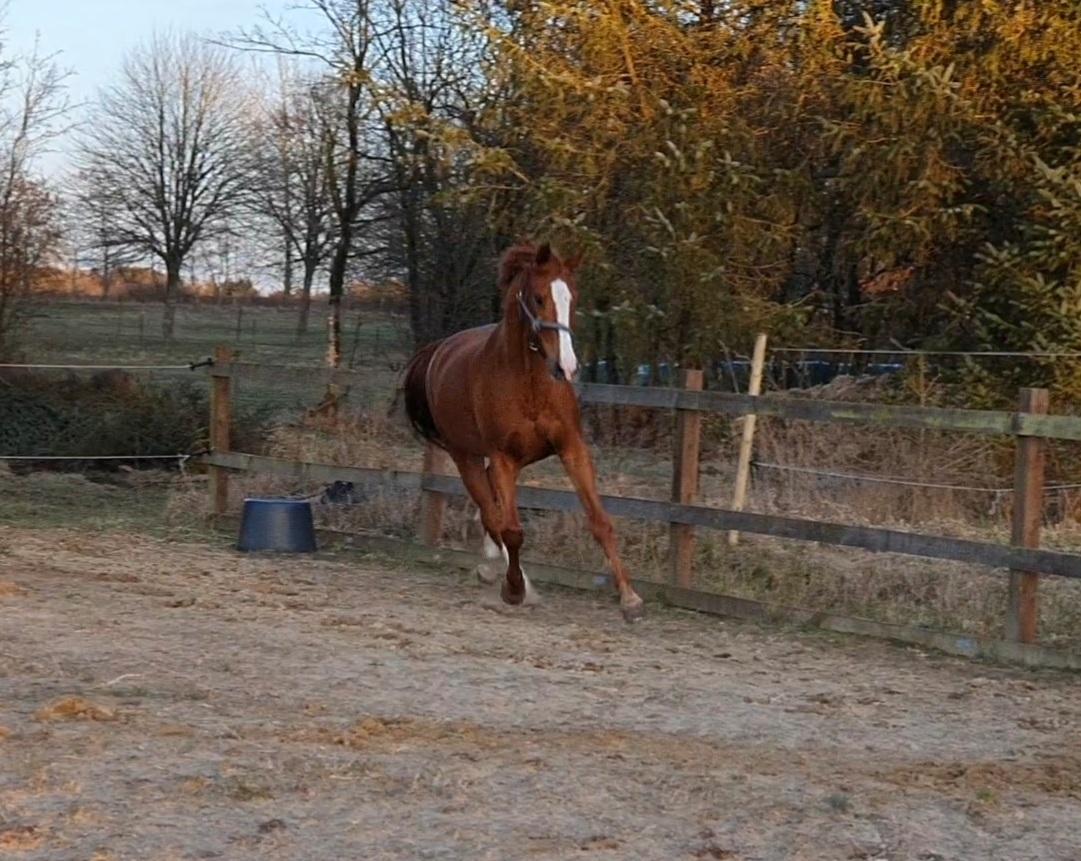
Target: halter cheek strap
{"x":538,"y":325}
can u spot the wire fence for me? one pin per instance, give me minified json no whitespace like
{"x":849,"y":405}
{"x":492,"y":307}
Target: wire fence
{"x":289,"y":395}
{"x":854,"y":351}
{"x":901,"y":482}
{"x":191,"y":366}
{"x":181,"y":459}
{"x":258,"y":402}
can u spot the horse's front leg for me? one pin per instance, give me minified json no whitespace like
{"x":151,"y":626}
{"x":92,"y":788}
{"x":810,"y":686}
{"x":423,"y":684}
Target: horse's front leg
{"x":503,"y":475}
{"x":475,"y":478}
{"x":579,"y":466}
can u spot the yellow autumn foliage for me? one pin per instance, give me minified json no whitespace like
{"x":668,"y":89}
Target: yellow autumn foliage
{"x":767,"y":163}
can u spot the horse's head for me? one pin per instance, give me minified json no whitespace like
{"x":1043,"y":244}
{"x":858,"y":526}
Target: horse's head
{"x":541,"y":293}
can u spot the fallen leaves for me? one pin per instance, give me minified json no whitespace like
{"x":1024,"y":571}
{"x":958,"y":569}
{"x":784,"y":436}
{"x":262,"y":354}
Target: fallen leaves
{"x":20,"y":839}
{"x":75,"y":708}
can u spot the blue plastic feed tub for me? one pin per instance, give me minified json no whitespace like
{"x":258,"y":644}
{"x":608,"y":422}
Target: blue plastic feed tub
{"x":277,"y":525}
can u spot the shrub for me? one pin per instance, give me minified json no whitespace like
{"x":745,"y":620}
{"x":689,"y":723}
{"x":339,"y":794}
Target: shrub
{"x":110,"y":413}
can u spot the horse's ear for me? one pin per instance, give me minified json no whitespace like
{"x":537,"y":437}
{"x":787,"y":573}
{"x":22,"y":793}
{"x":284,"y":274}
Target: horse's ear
{"x":544,"y":254}
{"x":574,"y":261}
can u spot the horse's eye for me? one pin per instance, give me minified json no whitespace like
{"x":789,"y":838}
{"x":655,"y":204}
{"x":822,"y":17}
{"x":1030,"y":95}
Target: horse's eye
{"x":540,"y":300}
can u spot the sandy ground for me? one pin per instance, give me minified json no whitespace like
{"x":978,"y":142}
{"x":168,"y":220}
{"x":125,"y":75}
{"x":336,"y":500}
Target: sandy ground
{"x":181,"y":701}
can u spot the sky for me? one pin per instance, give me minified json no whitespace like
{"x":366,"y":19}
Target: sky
{"x":92,"y":36}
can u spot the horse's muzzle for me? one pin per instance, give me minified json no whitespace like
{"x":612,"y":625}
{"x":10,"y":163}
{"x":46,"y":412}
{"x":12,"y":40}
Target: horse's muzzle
{"x":556,"y":370}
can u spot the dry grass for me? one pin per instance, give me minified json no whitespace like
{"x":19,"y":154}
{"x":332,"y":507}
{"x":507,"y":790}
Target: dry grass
{"x":373,"y":439}
{"x":908,"y":590}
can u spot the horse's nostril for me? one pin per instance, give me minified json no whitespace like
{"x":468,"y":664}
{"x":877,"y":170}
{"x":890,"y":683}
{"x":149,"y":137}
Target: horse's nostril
{"x":558,"y":374}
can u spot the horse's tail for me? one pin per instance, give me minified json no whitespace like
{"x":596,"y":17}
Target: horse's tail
{"x":416,"y":395}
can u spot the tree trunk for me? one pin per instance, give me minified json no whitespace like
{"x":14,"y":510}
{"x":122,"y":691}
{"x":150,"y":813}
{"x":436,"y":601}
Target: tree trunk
{"x":337,"y":290}
{"x":417,"y":315}
{"x":306,"y":298}
{"x":287,"y":275}
{"x":6,"y":319}
{"x":106,"y":273}
{"x":855,"y":299}
{"x":172,"y":290}
{"x":610,"y":353}
{"x":826,"y":276}
{"x":334,"y":333}
{"x":409,"y":200}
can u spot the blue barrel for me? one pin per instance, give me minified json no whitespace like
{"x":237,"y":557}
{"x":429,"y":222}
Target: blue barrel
{"x":278,"y":525}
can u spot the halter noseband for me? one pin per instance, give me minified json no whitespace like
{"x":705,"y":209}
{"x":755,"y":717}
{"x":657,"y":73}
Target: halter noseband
{"x":538,"y":325}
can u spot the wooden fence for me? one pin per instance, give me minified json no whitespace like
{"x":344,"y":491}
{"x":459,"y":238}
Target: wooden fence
{"x":1029,"y":425}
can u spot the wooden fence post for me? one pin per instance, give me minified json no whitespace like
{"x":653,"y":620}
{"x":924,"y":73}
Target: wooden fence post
{"x":746,"y":443}
{"x":1028,"y":481}
{"x":221,"y":420}
{"x":685,"y":483}
{"x":432,"y":503}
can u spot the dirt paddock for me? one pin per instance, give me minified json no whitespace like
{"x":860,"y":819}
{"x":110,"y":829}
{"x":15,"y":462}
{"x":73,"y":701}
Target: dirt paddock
{"x":180,"y":701}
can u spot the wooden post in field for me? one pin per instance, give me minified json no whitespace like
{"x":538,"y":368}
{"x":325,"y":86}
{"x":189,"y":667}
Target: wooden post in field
{"x":432,"y":503}
{"x":685,"y":483}
{"x":746,"y":443}
{"x":1028,"y":479}
{"x":221,"y":419}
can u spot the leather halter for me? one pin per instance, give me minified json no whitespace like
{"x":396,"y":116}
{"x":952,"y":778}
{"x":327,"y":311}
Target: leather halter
{"x":537,"y":325}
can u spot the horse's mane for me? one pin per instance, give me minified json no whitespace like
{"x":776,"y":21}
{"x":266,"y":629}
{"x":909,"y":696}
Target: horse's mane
{"x":514,"y":261}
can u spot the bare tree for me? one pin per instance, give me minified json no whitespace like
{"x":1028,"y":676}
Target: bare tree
{"x":167,"y":145}
{"x":93,"y":224}
{"x":430,"y":68}
{"x":356,"y":169}
{"x":32,"y":101}
{"x":292,"y":185}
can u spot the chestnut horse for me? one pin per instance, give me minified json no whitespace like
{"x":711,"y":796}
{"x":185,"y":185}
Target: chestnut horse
{"x":499,"y":397}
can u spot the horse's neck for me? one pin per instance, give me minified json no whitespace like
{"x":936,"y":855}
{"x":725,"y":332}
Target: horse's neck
{"x":511,"y":339}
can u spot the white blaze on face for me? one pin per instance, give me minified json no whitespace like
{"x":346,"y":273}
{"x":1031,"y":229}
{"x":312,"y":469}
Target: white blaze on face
{"x":561,"y":295}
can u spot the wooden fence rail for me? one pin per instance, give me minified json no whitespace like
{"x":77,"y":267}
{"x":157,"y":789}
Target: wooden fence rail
{"x":658,"y":511}
{"x":994,"y":422}
{"x":1030,"y":426}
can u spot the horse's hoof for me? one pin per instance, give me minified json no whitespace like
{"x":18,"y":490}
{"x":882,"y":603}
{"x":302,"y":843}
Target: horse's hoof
{"x":486,"y":575}
{"x":633,"y":611}
{"x":513,"y":598}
